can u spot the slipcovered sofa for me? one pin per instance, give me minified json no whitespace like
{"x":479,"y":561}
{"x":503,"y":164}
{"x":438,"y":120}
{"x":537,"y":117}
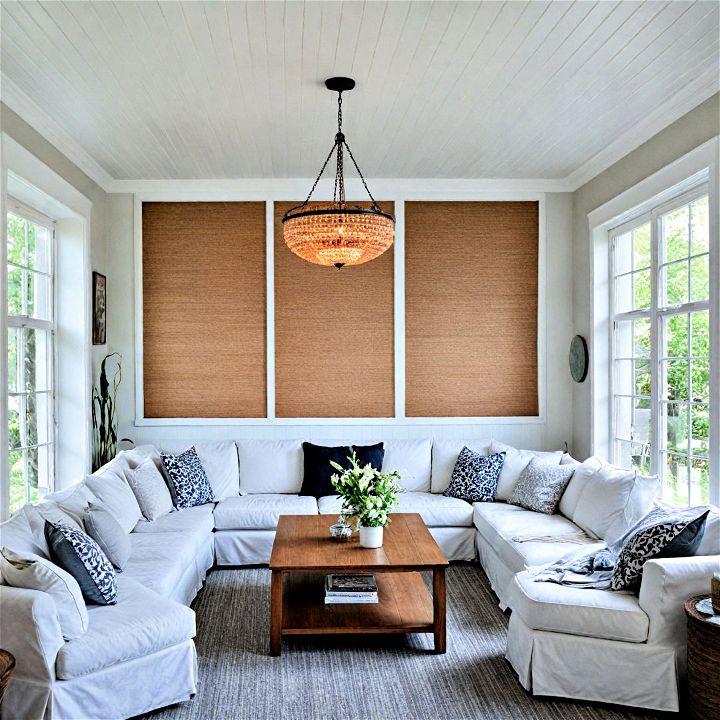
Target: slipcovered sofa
{"x":150,"y":660}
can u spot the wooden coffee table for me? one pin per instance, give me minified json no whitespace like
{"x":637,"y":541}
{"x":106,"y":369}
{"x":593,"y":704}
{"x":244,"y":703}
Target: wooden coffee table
{"x":303,"y":553}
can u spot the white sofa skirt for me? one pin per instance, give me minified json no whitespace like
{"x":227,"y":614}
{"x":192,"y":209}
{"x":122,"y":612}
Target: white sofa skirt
{"x":163,"y":678}
{"x":500,"y":577}
{"x":194,"y":576}
{"x":624,"y":673}
{"x":254,"y":547}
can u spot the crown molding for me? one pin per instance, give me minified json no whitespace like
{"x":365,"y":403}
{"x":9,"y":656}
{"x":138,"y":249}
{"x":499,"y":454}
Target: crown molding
{"x":640,"y":133}
{"x":39,"y":120}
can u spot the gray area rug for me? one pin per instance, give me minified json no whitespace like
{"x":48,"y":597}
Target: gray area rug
{"x":360,"y":677}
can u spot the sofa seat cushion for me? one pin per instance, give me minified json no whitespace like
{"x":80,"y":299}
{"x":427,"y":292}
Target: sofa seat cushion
{"x":574,"y":611}
{"x":159,"y":560}
{"x":194,"y":519}
{"x":499,"y":523}
{"x":140,"y":624}
{"x":260,"y":512}
{"x":435,"y":510}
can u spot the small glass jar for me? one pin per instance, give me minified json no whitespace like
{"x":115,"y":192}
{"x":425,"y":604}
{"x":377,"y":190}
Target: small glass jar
{"x":341,"y":531}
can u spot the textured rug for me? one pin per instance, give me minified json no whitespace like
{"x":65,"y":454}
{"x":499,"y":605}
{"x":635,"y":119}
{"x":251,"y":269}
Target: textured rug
{"x":360,"y":677}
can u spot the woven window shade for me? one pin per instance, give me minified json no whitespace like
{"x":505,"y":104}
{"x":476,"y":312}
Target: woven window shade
{"x":471,"y":285}
{"x":204,"y":309}
{"x":333,"y":335}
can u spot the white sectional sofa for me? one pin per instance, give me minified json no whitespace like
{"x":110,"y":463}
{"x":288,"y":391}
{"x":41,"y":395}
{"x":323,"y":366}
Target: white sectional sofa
{"x":139,"y":654}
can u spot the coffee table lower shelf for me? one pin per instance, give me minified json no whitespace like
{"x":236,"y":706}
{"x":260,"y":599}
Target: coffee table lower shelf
{"x":404,"y":606}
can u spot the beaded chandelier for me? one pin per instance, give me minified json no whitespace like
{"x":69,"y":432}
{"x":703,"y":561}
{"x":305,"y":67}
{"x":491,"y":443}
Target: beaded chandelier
{"x":338,"y":233}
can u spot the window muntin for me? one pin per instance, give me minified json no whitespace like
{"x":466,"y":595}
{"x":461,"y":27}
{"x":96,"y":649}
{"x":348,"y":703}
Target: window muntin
{"x":31,"y":426}
{"x":660,"y":346}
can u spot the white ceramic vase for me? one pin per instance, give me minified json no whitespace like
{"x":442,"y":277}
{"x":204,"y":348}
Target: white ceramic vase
{"x":371,"y":537}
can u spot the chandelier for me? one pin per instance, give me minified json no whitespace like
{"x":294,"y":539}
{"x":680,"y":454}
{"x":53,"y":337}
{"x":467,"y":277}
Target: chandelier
{"x":338,"y":233}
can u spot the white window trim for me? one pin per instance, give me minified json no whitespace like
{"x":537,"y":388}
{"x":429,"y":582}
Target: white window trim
{"x":685,"y":174}
{"x":397,"y":193}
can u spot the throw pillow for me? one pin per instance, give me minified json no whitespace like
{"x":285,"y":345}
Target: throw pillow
{"x":82,"y":557}
{"x":475,"y":476}
{"x":187,"y":481}
{"x":27,"y":570}
{"x":318,"y":470}
{"x":541,"y":486}
{"x":106,"y":531}
{"x":663,"y":532}
{"x":515,"y":462}
{"x":150,"y":489}
{"x":76,"y":502}
{"x":115,"y":494}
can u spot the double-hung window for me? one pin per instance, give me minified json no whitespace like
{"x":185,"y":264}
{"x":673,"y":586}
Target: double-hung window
{"x":30,"y":391}
{"x":660,"y":378}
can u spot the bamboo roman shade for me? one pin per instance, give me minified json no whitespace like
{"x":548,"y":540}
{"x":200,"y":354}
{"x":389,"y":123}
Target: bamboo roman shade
{"x":471,"y":293}
{"x":204,"y":309}
{"x":333,"y":335}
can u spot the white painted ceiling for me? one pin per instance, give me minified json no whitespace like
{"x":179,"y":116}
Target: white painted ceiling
{"x":152,"y":90}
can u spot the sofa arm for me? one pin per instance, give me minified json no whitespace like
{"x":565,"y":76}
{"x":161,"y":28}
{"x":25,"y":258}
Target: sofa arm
{"x":666,"y":584}
{"x":29,"y":629}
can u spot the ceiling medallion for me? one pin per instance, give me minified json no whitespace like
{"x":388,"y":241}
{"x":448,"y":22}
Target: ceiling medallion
{"x":338,"y":233}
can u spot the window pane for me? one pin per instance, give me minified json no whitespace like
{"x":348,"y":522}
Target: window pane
{"x":17,"y":479}
{"x":16,"y":239}
{"x":700,"y":278}
{"x":676,"y":427}
{"x":700,"y":443}
{"x":641,"y":247}
{"x":699,"y":482}
{"x":699,"y":226}
{"x":632,"y":377}
{"x":37,"y":354}
{"x":632,"y":339}
{"x":675,"y":234}
{"x":676,"y":336}
{"x":632,"y":419}
{"x":630,"y":454}
{"x":15,"y":434}
{"x":700,"y":334}
{"x":701,"y":381}
{"x":38,"y":421}
{"x":676,"y":379}
{"x":12,"y":359}
{"x":675,"y":280}
{"x":675,"y":488}
{"x":39,"y":296}
{"x":642,"y":290}
{"x":623,"y":253}
{"x":15,"y":291}
{"x":33,"y":466}
{"x":39,"y":242}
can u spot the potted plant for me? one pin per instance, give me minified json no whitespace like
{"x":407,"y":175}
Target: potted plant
{"x":369,"y":496}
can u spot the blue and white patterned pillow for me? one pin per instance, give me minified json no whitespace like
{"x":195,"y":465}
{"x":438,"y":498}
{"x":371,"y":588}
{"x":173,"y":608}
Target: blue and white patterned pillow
{"x":78,"y":554}
{"x":475,"y":476}
{"x":663,"y":532}
{"x":187,"y":481}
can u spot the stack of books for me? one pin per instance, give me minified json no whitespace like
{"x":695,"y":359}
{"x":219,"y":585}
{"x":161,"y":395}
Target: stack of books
{"x":350,"y":589}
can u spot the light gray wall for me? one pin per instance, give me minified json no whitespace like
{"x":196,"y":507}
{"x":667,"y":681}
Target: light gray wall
{"x":699,"y":125}
{"x":558,"y":322}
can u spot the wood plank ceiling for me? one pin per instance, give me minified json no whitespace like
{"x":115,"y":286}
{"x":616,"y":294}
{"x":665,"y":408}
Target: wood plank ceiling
{"x":445,"y":89}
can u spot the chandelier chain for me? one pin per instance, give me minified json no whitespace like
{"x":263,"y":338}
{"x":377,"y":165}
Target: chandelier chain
{"x":375,"y":206}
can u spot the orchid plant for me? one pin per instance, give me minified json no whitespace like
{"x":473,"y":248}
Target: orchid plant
{"x":368,"y":495}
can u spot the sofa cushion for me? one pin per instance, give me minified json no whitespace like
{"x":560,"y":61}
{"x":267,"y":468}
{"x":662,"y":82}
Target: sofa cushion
{"x":444,"y":456}
{"x":260,"y":512}
{"x":499,"y":523}
{"x":710,"y":543}
{"x":116,"y":495}
{"x":412,"y":459}
{"x":435,"y":510}
{"x":195,"y":519}
{"x":220,"y":460}
{"x":150,"y":489}
{"x":270,"y":466}
{"x":17,"y":535}
{"x":475,"y":476}
{"x":140,"y":624}
{"x":541,"y":486}
{"x":159,"y":560}
{"x":515,"y":462}
{"x":571,"y":496}
{"x":318,"y":469}
{"x":592,"y":613}
{"x":105,"y":530}
{"x":74,"y":501}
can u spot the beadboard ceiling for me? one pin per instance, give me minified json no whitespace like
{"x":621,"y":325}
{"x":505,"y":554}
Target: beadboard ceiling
{"x":156,"y":90}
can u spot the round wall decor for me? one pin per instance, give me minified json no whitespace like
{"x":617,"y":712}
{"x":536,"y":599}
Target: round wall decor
{"x":579,"y":358}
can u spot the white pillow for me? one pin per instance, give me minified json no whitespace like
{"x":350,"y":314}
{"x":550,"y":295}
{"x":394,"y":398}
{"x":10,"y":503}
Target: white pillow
{"x":220,"y":462}
{"x":26,"y":570}
{"x":571,"y":496}
{"x":17,"y":535}
{"x":411,"y":458}
{"x":117,"y":497}
{"x":150,"y":490}
{"x":75,"y":504}
{"x":38,"y":514}
{"x":710,"y":543}
{"x":515,"y":462}
{"x":444,"y":456}
{"x":270,"y":466}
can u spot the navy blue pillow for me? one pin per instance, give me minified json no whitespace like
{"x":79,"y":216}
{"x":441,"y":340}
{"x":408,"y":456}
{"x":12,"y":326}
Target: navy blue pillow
{"x":77,"y":553}
{"x":318,"y":470}
{"x":186,"y":479}
{"x":686,"y":544}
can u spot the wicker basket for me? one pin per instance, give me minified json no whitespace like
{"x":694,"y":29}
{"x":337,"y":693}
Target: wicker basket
{"x":7,"y":665}
{"x":703,"y":658}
